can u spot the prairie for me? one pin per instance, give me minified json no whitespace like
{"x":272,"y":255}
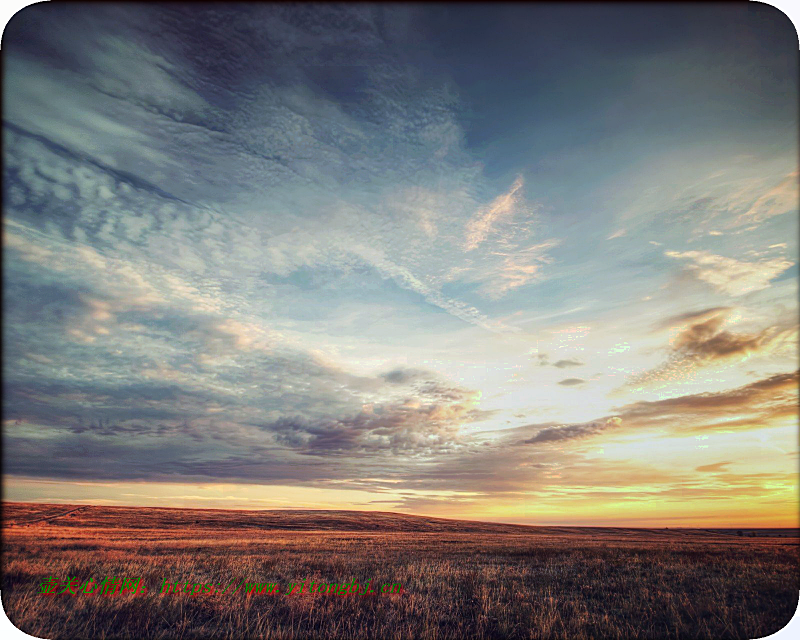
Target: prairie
{"x":460,"y":579}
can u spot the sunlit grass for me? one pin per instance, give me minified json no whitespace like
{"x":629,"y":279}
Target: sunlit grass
{"x":548,"y":583}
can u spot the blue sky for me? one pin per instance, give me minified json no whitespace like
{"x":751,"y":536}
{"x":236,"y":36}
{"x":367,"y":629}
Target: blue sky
{"x":529,"y":263}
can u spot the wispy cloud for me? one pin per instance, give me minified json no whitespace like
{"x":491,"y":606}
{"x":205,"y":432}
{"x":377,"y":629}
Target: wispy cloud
{"x":729,"y":275}
{"x":780,"y":199}
{"x":501,"y":208}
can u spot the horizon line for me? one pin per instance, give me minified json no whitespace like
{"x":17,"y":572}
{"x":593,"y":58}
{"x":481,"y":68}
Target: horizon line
{"x":401,"y":513}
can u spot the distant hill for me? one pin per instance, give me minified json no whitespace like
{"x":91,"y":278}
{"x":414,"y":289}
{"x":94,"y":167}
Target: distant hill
{"x":23,"y":514}
{"x":28,"y":514}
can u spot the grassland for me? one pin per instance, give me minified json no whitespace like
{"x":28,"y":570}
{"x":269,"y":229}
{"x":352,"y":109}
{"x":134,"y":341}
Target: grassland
{"x":461,"y":579}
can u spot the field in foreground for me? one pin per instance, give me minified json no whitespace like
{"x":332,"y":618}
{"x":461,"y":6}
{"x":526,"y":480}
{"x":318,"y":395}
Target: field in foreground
{"x":460,"y":579}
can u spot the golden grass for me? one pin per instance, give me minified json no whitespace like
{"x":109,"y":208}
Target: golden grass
{"x":461,"y":580}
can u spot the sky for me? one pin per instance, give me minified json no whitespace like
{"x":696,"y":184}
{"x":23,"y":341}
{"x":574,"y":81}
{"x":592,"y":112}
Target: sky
{"x":518,"y":263}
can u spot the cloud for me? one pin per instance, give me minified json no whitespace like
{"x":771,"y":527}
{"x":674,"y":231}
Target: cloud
{"x":223,"y":385}
{"x":780,"y":199}
{"x":515,"y":269}
{"x":753,"y":406}
{"x":707,"y":340}
{"x":544,"y":361}
{"x":402,"y":376}
{"x":501,"y":208}
{"x":410,"y":427}
{"x":552,"y":470}
{"x":154,"y":324}
{"x":574,"y":431}
{"x":212,"y":270}
{"x":700,"y":339}
{"x":402,"y":276}
{"x":717,"y":467}
{"x":322,"y":200}
{"x":572,"y":382}
{"x":561,"y":364}
{"x":220,"y":426}
{"x":731,"y":276}
{"x":681,"y":321}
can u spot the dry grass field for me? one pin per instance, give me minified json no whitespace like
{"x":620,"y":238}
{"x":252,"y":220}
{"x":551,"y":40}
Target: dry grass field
{"x":460,"y":579}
